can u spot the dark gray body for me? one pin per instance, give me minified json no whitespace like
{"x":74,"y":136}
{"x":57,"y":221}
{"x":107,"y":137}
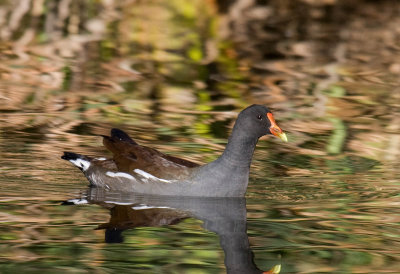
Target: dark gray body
{"x":227,"y":176}
{"x":222,"y":181}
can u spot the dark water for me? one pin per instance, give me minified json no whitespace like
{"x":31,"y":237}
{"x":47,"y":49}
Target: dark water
{"x":175,"y":76}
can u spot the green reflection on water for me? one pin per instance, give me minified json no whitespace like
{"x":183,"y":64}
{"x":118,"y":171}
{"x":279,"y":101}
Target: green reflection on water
{"x":338,"y":137}
{"x":325,"y":202}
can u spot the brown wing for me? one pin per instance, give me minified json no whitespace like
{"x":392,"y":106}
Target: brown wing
{"x":128,"y":155}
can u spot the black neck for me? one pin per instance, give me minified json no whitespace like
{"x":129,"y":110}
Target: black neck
{"x":240,"y":148}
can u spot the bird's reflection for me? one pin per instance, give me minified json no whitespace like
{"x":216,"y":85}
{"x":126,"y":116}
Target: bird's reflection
{"x":125,"y":217}
{"x":224,"y":216}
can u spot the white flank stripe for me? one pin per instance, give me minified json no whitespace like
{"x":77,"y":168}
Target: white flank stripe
{"x":119,"y":174}
{"x":117,"y":203}
{"x":100,"y":159}
{"x":142,"y":206}
{"x":81,"y":163}
{"x":149,"y":176}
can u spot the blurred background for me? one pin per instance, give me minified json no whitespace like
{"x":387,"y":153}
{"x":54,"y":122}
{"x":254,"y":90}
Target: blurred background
{"x":174,"y":74}
{"x":329,"y":69}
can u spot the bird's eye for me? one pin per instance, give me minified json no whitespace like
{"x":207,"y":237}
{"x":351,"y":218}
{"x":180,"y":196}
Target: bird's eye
{"x":259,"y":117}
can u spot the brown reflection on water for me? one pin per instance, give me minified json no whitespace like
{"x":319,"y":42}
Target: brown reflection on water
{"x":174,"y":75}
{"x":331,"y":92}
{"x":356,"y":226}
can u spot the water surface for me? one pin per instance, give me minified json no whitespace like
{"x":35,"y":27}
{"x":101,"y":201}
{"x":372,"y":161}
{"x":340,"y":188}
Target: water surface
{"x":175,"y":76}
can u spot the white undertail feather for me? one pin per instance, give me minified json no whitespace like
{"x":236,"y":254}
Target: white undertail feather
{"x":81,"y":163}
{"x":78,"y":201}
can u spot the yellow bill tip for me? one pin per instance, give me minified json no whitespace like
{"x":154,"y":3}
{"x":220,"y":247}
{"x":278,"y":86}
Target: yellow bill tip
{"x":283,"y":136}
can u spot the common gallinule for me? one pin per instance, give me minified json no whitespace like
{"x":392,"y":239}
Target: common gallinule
{"x":140,"y":169}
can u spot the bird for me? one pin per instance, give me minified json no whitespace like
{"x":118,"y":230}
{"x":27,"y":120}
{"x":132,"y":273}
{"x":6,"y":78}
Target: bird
{"x":144,"y":170}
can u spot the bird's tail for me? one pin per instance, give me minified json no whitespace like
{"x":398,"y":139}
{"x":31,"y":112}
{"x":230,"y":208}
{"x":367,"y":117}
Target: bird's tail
{"x":80,"y":161}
